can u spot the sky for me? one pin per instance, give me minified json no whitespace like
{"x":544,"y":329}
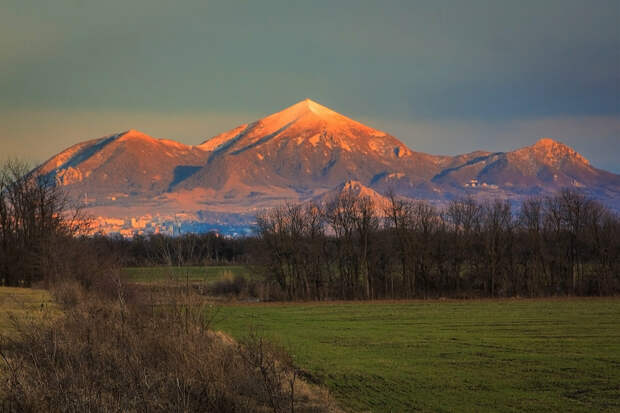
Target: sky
{"x":445,"y":77}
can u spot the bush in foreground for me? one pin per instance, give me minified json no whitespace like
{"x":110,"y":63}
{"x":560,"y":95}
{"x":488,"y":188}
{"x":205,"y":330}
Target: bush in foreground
{"x":137,"y":353}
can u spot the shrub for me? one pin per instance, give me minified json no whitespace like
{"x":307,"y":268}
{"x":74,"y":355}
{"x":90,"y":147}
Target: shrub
{"x":229,"y":285}
{"x":148,"y":353}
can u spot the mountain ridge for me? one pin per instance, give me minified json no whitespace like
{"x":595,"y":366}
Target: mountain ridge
{"x":301,"y":153}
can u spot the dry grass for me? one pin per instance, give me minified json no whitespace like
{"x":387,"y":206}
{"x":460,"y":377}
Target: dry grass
{"x":128,"y":351}
{"x":24,"y":304}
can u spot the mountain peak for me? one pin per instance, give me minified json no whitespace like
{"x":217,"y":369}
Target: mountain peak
{"x":306,"y":108}
{"x":305,"y":121}
{"x":552,"y":152}
{"x":133,"y":134}
{"x":315,"y":107}
{"x":354,"y":188}
{"x":309,"y":117}
{"x":546,"y":143}
{"x":140,"y":138}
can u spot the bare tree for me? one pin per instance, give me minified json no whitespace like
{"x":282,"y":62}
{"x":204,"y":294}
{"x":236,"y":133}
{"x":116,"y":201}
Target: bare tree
{"x":497,"y":223}
{"x":36,"y":216}
{"x":562,"y":244}
{"x":398,"y":221}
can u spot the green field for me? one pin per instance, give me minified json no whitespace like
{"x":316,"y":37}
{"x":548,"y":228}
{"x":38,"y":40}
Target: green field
{"x":447,"y":356}
{"x":193,"y":274}
{"x":465,"y":356}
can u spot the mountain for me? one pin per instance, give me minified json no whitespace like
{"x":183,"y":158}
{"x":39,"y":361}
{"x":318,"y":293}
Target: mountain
{"x":304,"y":152}
{"x":546,"y":166}
{"x":355,"y":189}
{"x":123,"y":165}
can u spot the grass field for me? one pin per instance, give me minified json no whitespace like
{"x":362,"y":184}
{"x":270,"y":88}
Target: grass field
{"x":23,"y":303}
{"x":465,"y":356}
{"x":162,"y":273}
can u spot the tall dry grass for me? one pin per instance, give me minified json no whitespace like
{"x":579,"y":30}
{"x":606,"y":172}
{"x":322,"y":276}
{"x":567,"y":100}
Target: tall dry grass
{"x":124,"y":350}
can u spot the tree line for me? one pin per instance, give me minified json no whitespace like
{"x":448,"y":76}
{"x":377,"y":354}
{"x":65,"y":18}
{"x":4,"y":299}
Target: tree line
{"x":188,"y":249}
{"x":347,"y":248}
{"x":350,"y":248}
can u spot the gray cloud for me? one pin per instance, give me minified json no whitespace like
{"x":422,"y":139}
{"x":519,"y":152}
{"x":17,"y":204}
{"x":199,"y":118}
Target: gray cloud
{"x":425,"y":62}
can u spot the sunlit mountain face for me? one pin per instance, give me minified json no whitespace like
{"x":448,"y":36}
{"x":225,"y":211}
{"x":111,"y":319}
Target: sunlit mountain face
{"x":305,"y":152}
